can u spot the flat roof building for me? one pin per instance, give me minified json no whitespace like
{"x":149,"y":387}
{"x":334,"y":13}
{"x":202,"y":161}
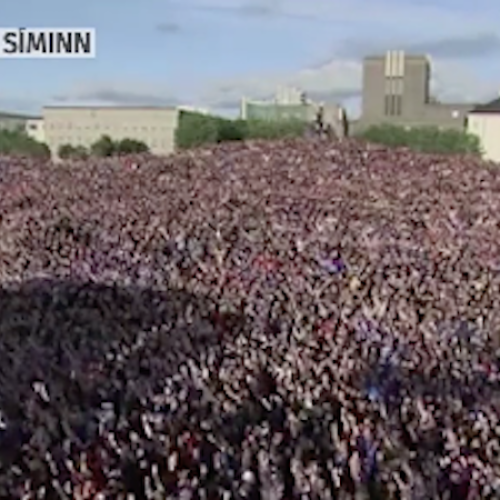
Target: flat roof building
{"x":84,"y":125}
{"x":396,"y":90}
{"x":35,"y":129}
{"x":293,"y":104}
{"x":484,"y":122}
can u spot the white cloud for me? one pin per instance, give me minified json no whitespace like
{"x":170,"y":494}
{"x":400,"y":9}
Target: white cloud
{"x":405,"y":16}
{"x":452,"y":81}
{"x":119,"y":93}
{"x":460,"y":46}
{"x":341,"y":80}
{"x":335,"y":80}
{"x":360,"y":27}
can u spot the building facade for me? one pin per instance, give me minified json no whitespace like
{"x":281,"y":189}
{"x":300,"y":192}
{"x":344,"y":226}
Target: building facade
{"x":396,"y":91}
{"x":293,"y":104}
{"x":290,"y":95}
{"x":82,"y":126}
{"x":484,"y":122}
{"x":35,"y":129}
{"x":289,"y":103}
{"x":273,"y":111}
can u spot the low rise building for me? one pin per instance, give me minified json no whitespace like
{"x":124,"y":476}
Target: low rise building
{"x":84,"y":125}
{"x":35,"y":129}
{"x":293,"y":104}
{"x":484,"y":122}
{"x":397,"y":91}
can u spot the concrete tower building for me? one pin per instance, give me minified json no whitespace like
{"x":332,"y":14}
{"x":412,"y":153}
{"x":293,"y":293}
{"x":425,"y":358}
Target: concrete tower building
{"x":396,"y":90}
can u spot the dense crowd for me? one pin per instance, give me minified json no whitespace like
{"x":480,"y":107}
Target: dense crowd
{"x":277,"y":321}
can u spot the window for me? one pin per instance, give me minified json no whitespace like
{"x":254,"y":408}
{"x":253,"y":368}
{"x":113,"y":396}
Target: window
{"x":393,"y":105}
{"x":387,"y":105}
{"x":399,"y":105}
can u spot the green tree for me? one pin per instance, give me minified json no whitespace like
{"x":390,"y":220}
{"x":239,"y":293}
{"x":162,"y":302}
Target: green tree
{"x":65,"y":151}
{"x":103,"y":147}
{"x":231,"y":130}
{"x":423,"y":139}
{"x":130,"y":146}
{"x":276,"y":129}
{"x":17,"y":142}
{"x":81,"y":153}
{"x":195,"y":129}
{"x":70,"y":152}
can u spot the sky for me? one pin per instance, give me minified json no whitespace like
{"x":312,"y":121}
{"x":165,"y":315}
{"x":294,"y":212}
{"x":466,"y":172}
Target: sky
{"x":210,"y":53}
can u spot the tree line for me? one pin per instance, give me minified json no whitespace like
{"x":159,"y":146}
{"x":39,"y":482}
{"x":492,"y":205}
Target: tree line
{"x":17,"y":142}
{"x":197,"y":130}
{"x":423,"y":139}
{"x":102,"y":148}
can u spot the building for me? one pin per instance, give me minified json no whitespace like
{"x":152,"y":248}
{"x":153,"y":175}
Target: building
{"x":14,"y":121}
{"x":290,"y":95}
{"x":288,"y":104}
{"x":82,"y":126}
{"x":35,"y":129}
{"x":274,"y":111}
{"x":293,"y":104}
{"x":484,"y":122}
{"x":396,"y":91}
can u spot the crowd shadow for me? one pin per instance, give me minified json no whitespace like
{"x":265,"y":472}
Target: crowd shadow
{"x":66,"y":335}
{"x":67,"y":346}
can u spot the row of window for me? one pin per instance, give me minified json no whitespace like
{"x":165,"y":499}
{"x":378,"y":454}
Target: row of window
{"x":393,"y":105}
{"x":72,"y":126}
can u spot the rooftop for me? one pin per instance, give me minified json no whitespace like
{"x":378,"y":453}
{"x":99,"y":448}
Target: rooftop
{"x":16,"y":116}
{"x":103,"y":106}
{"x":489,"y":107}
{"x":407,"y":56}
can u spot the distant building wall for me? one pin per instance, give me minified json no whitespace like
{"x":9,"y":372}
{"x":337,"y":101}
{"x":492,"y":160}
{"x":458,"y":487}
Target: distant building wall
{"x":289,"y":95}
{"x":271,"y":111}
{"x":373,"y":90}
{"x":487,"y":127}
{"x":447,"y":115}
{"x":82,"y":126}
{"x":35,"y":129}
{"x":333,"y":114}
{"x":395,"y":87}
{"x":396,"y":90}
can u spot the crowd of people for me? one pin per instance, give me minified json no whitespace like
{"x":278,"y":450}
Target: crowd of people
{"x":299,"y":319}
